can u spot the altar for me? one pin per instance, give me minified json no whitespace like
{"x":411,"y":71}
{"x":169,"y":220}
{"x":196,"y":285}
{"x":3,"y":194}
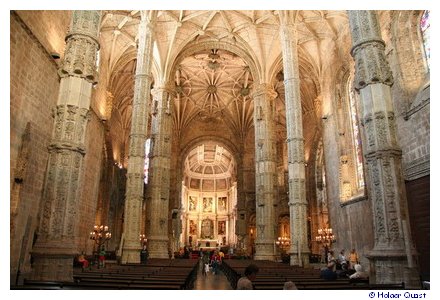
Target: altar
{"x":207,"y":243}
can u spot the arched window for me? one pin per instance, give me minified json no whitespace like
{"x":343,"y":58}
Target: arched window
{"x":352,"y":183}
{"x":147,"y":159}
{"x":356,"y":138}
{"x":425,"y":29}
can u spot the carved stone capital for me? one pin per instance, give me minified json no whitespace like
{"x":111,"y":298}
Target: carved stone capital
{"x":264,"y":90}
{"x":368,"y":50}
{"x":82,"y":46}
{"x":80,"y":58}
{"x":371,"y":64}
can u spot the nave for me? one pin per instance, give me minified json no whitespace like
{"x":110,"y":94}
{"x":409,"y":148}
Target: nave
{"x":186,"y":274}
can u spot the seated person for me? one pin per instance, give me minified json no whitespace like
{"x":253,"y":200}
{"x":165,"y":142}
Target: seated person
{"x":289,"y":285}
{"x":328,"y":273}
{"x":359,"y":274}
{"x":83,"y":261}
{"x":245,"y":282}
{"x":343,"y":272}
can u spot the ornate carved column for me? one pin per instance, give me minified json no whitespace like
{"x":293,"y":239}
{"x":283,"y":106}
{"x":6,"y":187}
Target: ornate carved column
{"x":299,"y":249}
{"x":265,"y":171}
{"x":55,"y":247}
{"x":392,"y":258}
{"x":160,"y":171}
{"x":240,"y":223}
{"x":139,"y":121}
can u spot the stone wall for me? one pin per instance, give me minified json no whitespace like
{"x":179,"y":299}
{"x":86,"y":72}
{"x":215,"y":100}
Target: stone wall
{"x":34,"y":92}
{"x":411,"y":94}
{"x":91,"y":181}
{"x":49,"y":27}
{"x":34,"y":87}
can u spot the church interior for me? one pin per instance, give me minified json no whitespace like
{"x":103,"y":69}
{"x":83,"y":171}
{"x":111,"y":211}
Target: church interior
{"x":271,"y":136}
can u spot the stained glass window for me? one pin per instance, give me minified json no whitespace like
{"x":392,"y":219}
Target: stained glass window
{"x":357,"y":142}
{"x":425,"y":28}
{"x":147,"y":159}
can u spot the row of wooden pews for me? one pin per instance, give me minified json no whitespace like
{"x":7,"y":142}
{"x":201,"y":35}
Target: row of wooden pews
{"x":156,"y":274}
{"x":273,"y":275}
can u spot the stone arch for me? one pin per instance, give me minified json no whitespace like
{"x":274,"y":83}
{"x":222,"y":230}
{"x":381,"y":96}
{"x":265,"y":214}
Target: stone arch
{"x":408,"y":44}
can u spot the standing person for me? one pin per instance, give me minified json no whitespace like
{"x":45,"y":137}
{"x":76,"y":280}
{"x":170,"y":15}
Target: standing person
{"x":353,"y":258}
{"x":215,"y":262}
{"x":245,"y":282}
{"x":144,"y":254}
{"x":102,"y":257}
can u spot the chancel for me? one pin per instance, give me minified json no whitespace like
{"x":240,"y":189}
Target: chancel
{"x":222,"y":138}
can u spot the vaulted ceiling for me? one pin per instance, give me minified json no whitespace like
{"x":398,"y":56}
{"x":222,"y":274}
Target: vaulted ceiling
{"x":214,"y":83}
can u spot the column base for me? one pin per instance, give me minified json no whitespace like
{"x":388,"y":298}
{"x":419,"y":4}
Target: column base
{"x":302,"y":261}
{"x":53,"y":261}
{"x":265,"y":251}
{"x":131,"y":253}
{"x":131,"y":256}
{"x":158,"y":248}
{"x":388,"y":267}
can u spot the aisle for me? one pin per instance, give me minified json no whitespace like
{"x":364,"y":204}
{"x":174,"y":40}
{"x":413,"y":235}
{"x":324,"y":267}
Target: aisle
{"x":211,"y":281}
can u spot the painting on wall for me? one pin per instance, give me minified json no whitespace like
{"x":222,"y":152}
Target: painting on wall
{"x":207,"y":204}
{"x":192,"y":227}
{"x":221,"y":227}
{"x":207,"y":229}
{"x":192,"y":203}
{"x":222,"y":203}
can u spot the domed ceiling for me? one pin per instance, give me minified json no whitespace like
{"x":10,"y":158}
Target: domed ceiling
{"x":209,"y":166}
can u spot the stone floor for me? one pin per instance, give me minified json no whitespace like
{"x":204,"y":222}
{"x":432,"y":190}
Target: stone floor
{"x":211,"y":281}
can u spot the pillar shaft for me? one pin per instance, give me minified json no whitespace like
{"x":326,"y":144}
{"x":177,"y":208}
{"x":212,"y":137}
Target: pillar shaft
{"x":160,"y":172}
{"x":265,"y":172}
{"x":55,"y":248}
{"x":299,"y":249}
{"x":392,"y":258}
{"x":138,"y":135}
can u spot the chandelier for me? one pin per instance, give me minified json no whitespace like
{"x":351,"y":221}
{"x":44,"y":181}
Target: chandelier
{"x":143,"y":239}
{"x":100,"y":235}
{"x":325,"y":236}
{"x":283,"y":242}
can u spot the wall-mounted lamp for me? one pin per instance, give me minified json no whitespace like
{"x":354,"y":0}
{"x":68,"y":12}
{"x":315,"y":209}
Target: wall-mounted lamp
{"x":55,"y":55}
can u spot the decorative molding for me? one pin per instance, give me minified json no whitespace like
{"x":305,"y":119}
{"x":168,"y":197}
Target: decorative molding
{"x":422,"y":99}
{"x":354,"y":200}
{"x":417,"y":168}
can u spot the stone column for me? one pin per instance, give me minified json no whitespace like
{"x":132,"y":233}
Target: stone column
{"x":392,"y":260}
{"x":240,"y":222}
{"x":139,"y":121}
{"x":299,"y":249}
{"x":55,"y":247}
{"x":265,"y":172}
{"x":160,"y":172}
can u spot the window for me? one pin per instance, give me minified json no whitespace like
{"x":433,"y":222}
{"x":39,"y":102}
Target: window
{"x":356,"y":139}
{"x":147,"y":159}
{"x":425,"y":29}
